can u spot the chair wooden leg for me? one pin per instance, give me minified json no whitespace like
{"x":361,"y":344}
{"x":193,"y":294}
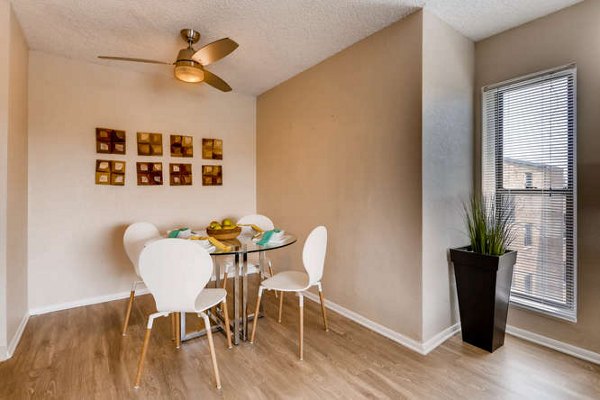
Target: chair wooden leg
{"x":128,"y":313}
{"x":227,"y":328}
{"x":280,"y":306}
{"x":211,"y":345}
{"x":256,"y":314}
{"x":301,"y":338}
{"x":138,"y":376}
{"x":173,"y":329}
{"x":178,"y":317}
{"x":323,"y":311}
{"x":225,"y":280}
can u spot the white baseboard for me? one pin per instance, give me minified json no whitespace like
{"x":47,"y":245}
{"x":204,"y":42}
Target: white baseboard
{"x":12,"y":346}
{"x":8,"y":351}
{"x":554,"y":344}
{"x":414,"y":345}
{"x":90,"y":300}
{"x":440,"y":338}
{"x":426,"y":347}
{"x":85,"y":302}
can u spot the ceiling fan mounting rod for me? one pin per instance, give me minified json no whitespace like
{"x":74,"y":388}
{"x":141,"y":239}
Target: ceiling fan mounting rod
{"x":191,"y":36}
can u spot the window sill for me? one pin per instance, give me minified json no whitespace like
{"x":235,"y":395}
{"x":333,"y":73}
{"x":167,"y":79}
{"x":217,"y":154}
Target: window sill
{"x":545,"y":310}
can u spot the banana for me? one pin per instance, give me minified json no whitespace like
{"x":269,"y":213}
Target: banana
{"x":213,"y":241}
{"x":254,"y":227}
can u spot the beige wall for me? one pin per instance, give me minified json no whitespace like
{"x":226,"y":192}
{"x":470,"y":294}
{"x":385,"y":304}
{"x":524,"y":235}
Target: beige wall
{"x":447,"y":159}
{"x":4,"y":112}
{"x":75,"y":226}
{"x":13,"y":178}
{"x":340,"y":145}
{"x":571,"y":35}
{"x":16,"y":251}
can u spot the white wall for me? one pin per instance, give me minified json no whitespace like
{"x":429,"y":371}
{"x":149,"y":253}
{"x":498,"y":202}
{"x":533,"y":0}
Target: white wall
{"x":447,"y":157}
{"x":76,"y":227}
{"x":13,"y":179}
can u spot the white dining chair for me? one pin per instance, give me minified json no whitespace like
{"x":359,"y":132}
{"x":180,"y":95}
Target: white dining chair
{"x":176,"y":272}
{"x":263,"y":223}
{"x":135,"y":238}
{"x":313,"y":259}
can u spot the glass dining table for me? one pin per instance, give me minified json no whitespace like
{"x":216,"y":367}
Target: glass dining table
{"x":239,"y":249}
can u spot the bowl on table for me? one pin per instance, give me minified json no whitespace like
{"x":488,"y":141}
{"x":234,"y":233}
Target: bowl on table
{"x":224,"y":233}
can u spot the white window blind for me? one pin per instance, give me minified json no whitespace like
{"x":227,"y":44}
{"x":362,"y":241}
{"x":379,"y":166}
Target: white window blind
{"x":529,"y":155}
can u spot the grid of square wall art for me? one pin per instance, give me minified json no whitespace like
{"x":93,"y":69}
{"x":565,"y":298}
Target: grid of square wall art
{"x":150,"y":173}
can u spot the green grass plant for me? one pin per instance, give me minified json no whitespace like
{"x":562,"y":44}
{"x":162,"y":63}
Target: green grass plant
{"x":489,"y":222}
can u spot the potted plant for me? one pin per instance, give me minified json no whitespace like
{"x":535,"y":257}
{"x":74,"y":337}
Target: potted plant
{"x":483,"y":271}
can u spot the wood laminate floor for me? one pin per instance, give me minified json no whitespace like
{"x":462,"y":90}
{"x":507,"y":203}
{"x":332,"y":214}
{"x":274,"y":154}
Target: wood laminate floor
{"x":80,"y":354}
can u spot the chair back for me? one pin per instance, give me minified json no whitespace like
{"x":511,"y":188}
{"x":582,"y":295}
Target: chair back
{"x":313,"y":254}
{"x":135,"y":238}
{"x":261,"y":221}
{"x":175,"y":271}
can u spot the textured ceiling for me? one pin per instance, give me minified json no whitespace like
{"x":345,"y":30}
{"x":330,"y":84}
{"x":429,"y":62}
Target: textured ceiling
{"x":277,"y":38}
{"x":479,"y":19}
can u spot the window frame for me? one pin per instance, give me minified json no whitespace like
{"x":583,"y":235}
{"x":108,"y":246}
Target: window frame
{"x":569,"y":311}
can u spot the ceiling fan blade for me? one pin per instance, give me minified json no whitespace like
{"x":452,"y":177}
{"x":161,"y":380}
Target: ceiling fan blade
{"x":143,"y":60}
{"x":216,"y":82}
{"x":214,"y":51}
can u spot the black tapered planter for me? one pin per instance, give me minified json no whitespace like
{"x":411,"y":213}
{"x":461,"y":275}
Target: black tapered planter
{"x":483,"y":283}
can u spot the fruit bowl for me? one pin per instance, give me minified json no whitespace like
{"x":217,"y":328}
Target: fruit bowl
{"x":224,"y":233}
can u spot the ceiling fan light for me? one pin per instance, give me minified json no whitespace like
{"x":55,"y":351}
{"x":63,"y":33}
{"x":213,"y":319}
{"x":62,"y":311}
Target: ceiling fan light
{"x":189,"y":71}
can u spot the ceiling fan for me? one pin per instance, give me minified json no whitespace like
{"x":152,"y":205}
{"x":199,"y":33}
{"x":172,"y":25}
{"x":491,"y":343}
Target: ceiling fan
{"x":190,"y":63}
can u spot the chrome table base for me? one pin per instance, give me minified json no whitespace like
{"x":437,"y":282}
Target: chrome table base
{"x":240,"y":321}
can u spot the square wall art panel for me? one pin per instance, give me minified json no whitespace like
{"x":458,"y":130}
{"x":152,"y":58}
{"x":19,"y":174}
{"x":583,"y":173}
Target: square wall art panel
{"x":180,"y":174}
{"x":212,"y":149}
{"x":110,"y":141}
{"x":149,"y":174}
{"x":149,"y":144}
{"x":110,"y":172}
{"x":212,"y":175}
{"x":182,"y":146}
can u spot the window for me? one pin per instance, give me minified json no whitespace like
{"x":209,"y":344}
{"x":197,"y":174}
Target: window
{"x":528,"y":180}
{"x":528,"y":282}
{"x":527,"y":237}
{"x":529,"y":155}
